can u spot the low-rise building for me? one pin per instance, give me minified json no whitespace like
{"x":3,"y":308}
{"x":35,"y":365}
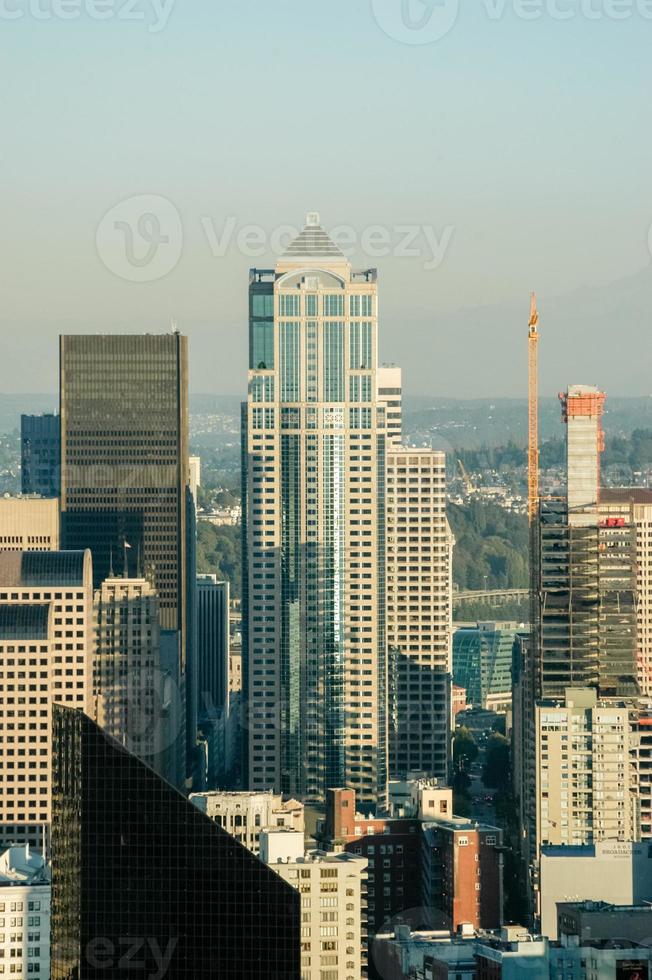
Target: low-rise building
{"x":25,"y":892}
{"x":246,"y":815}
{"x":463,"y":955}
{"x":420,"y":797}
{"x":428,"y":869}
{"x":618,"y":872}
{"x":462,"y":874}
{"x":512,"y":953}
{"x":620,"y":923}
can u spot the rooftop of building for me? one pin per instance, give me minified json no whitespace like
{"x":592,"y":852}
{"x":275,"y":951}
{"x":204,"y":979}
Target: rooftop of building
{"x":589,"y":906}
{"x":22,"y":865}
{"x":461,"y":824}
{"x":16,"y":498}
{"x":509,"y":939}
{"x":313,"y":242}
{"x":568,"y":850}
{"x":316,"y":857}
{"x":242,"y":796}
{"x":621,"y":495}
{"x":32,"y":569}
{"x":585,"y":697}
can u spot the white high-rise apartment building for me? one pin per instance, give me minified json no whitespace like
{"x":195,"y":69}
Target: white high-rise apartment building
{"x":315,"y":468}
{"x":585,"y":765}
{"x":419,"y":612}
{"x":333,"y":905}
{"x":46,"y":656}
{"x":25,"y":893}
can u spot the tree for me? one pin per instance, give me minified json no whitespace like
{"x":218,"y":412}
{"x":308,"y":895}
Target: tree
{"x":497,"y":767}
{"x":465,"y":749}
{"x":219,"y":552}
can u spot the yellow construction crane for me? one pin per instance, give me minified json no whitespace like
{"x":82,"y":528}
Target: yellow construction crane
{"x":468,"y":482}
{"x":533,"y":412}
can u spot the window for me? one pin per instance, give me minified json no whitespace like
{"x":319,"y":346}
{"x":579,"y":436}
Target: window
{"x":333,"y":362}
{"x":289,"y":361}
{"x":360,"y":346}
{"x":289,"y":305}
{"x":262,"y":344}
{"x":334,"y":305}
{"x":311,"y":305}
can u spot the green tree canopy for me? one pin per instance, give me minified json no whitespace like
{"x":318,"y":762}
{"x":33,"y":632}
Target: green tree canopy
{"x":497,"y":766}
{"x":465,"y":749}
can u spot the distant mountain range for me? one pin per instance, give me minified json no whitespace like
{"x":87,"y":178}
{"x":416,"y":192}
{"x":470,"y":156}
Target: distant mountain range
{"x":444,"y":423}
{"x":592,"y":335}
{"x":463,"y":424}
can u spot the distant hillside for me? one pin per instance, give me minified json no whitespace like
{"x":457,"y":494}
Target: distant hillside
{"x":452,"y":425}
{"x":491,"y":547}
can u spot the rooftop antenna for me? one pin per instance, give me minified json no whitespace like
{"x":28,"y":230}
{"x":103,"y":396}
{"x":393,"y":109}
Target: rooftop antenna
{"x":174,"y":325}
{"x":111,"y":572}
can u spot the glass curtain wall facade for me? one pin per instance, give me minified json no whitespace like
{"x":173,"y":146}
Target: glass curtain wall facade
{"x":125,"y":480}
{"x":314,"y":525}
{"x":40,"y":454}
{"x":125,"y":469}
{"x":145,"y":885}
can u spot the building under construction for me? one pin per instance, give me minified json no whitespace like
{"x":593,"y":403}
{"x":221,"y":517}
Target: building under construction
{"x":582,"y":647}
{"x":585,"y":630}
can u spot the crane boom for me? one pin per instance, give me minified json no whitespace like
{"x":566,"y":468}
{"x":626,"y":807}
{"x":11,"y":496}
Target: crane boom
{"x":465,"y":476}
{"x":533,"y":411}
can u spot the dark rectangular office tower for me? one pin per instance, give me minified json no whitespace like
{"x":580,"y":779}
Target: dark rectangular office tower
{"x":145,"y":885}
{"x":40,"y":454}
{"x":124,"y":452}
{"x":125,"y":480}
{"x":212,"y":645}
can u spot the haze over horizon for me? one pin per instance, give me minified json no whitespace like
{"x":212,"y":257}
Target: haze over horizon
{"x":503,"y":188}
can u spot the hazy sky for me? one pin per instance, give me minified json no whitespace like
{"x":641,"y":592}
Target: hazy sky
{"x":521,"y":146}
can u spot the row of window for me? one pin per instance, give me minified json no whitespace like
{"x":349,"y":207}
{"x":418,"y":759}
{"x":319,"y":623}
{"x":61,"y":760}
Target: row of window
{"x":296,"y":304}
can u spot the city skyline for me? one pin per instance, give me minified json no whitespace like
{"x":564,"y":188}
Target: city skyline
{"x":325,"y":572}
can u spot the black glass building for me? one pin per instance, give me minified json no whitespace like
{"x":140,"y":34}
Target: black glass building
{"x":145,"y":885}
